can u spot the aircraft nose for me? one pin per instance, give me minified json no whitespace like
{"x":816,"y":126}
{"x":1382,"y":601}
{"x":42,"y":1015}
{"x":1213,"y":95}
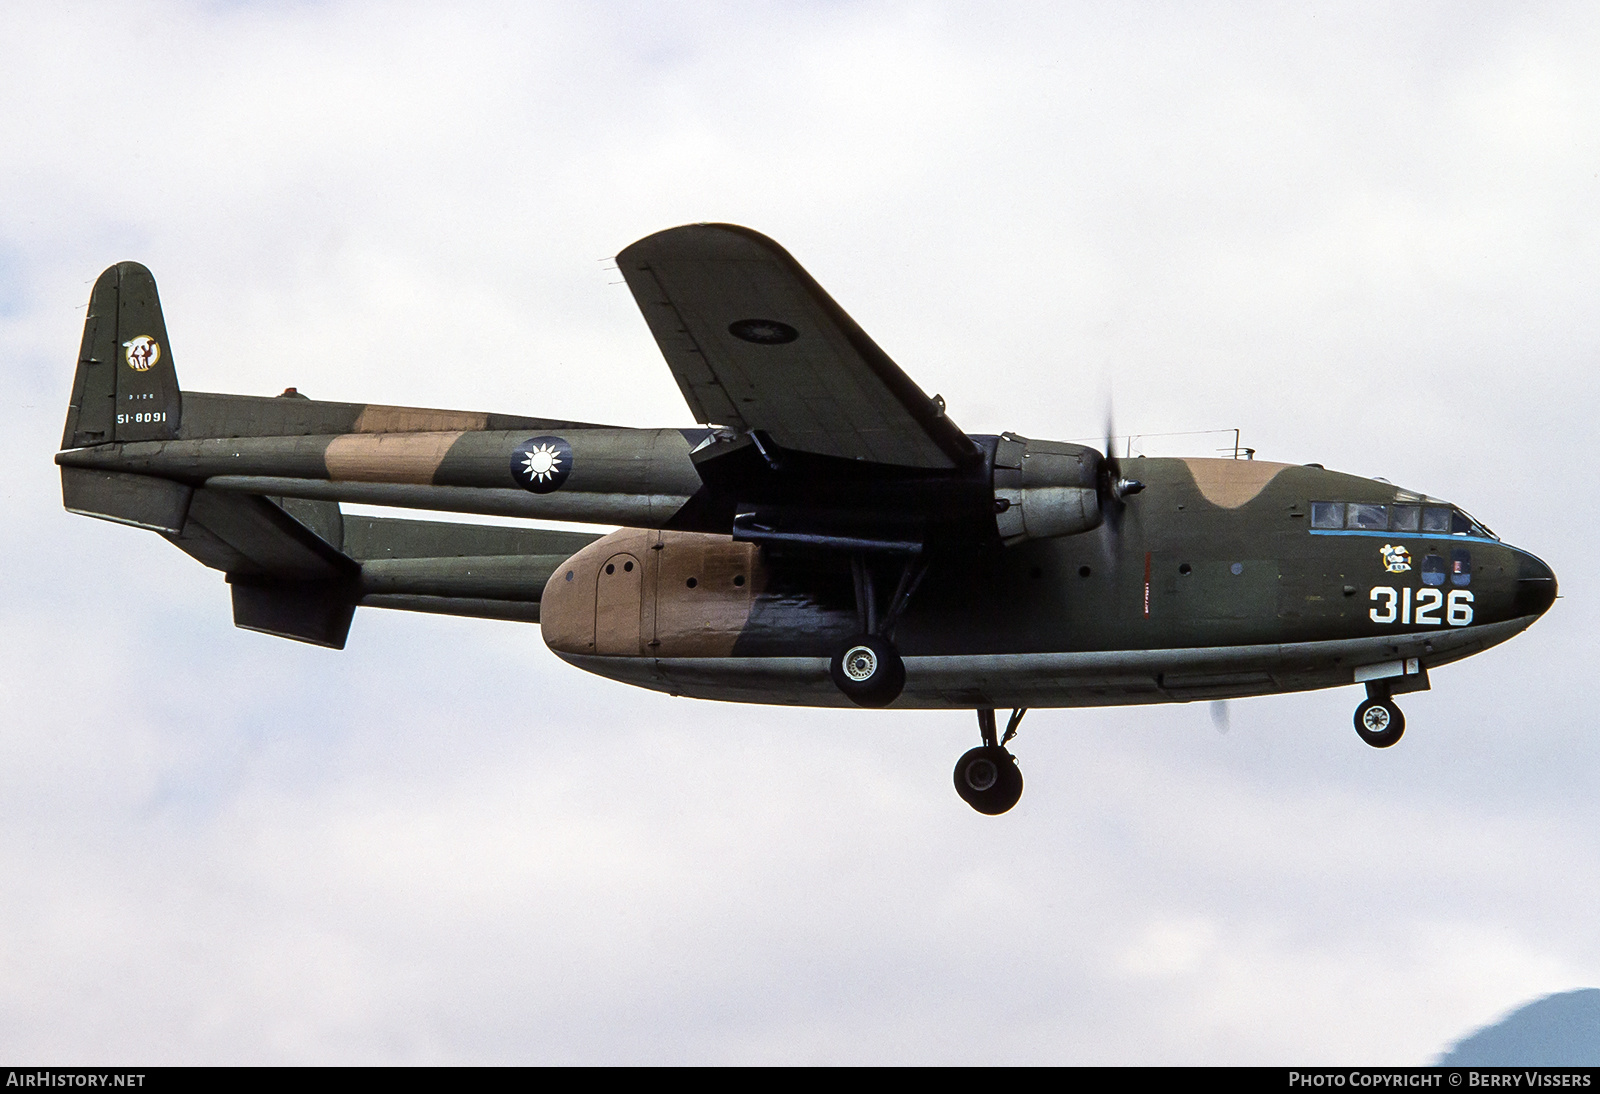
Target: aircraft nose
{"x":1536,"y":586}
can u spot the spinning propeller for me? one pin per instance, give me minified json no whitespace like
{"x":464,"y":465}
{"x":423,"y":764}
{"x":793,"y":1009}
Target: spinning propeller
{"x":1113,"y":487}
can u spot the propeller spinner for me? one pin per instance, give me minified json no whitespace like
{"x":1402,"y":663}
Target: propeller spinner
{"x":1113,"y":487}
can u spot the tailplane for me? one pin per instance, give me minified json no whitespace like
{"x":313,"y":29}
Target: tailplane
{"x":126,"y":388}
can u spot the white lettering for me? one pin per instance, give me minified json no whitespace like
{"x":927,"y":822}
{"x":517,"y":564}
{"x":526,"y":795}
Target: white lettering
{"x":1429,"y":601}
{"x":1388,"y":614}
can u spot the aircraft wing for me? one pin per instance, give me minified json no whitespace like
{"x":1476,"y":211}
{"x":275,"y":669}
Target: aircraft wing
{"x":756,"y":344}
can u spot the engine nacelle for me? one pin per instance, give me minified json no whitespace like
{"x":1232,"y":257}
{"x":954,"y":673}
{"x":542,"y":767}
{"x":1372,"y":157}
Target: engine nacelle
{"x":1045,"y":488}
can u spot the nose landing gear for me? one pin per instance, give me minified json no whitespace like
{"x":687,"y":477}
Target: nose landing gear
{"x":987,"y":777}
{"x":1378,"y":721}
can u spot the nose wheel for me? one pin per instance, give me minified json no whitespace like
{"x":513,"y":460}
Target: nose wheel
{"x":1379,"y":722}
{"x":987,"y":777}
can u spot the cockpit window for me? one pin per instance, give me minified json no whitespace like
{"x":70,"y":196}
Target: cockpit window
{"x":1430,"y":520}
{"x":1368,"y":518}
{"x":1463,"y":525}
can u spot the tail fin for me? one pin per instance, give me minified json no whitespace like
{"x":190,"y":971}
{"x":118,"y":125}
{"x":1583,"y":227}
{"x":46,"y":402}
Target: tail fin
{"x":125,"y":388}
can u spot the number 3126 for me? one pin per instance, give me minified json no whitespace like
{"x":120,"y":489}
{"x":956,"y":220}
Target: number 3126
{"x":1400,"y":607}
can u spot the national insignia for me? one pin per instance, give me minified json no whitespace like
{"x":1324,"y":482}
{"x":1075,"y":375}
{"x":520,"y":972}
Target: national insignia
{"x":541,"y":464}
{"x":763,"y":332}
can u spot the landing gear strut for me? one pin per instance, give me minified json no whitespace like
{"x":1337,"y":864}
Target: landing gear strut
{"x":1378,"y":721}
{"x":868,"y":668}
{"x":987,"y":777}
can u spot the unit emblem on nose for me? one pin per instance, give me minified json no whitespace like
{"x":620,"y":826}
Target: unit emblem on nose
{"x":541,"y":464}
{"x":1396,"y":559}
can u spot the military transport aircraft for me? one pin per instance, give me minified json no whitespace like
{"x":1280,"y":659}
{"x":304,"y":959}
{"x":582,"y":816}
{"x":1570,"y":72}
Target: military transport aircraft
{"x":829,"y":537}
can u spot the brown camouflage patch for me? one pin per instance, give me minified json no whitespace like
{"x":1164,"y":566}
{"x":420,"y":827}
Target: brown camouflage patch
{"x":1229,"y":484}
{"x":566,"y":609}
{"x":703,"y":619}
{"x":388,"y":457}
{"x":687,"y":594}
{"x":410,"y":419}
{"x":619,"y":604}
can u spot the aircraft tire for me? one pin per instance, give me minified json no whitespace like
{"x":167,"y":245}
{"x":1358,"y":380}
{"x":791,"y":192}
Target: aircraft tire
{"x":1379,"y":722}
{"x":988,"y":779}
{"x":869,"y":671}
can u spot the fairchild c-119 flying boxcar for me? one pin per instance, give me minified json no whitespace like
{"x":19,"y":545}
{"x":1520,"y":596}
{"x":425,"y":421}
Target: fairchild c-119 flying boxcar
{"x":829,"y":537}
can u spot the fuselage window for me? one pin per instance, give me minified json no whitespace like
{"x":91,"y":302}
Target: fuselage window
{"x":1373,"y":518}
{"x":1433,"y":570}
{"x":1460,"y":567}
{"x":1404,"y":518}
{"x":1327,"y":514}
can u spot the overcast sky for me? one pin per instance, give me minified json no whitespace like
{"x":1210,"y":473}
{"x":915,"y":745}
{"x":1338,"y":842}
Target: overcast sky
{"x":1364,"y":234}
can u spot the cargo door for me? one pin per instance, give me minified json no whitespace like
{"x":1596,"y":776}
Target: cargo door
{"x":618,"y":597}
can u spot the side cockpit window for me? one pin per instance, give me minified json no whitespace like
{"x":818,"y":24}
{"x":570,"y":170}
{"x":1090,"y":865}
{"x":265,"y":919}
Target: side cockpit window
{"x":1405,"y":518}
{"x":1327,"y":514}
{"x":1436,"y":521}
{"x":1368,"y":518}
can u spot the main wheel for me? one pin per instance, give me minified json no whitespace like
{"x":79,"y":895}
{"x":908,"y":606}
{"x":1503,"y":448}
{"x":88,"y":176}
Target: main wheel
{"x":1379,"y":722}
{"x":988,"y":779}
{"x":869,"y":671}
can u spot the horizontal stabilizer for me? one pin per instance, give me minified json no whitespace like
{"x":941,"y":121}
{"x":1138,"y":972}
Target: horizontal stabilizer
{"x":299,"y":569}
{"x":160,"y":505}
{"x":248,"y":536}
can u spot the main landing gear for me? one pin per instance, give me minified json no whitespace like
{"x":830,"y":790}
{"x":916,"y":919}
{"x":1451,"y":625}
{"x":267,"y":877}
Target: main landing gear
{"x":868,"y":668}
{"x":869,"y":671}
{"x":987,"y":777}
{"x":1378,"y":721}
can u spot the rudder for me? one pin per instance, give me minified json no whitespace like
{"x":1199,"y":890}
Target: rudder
{"x":126,"y":388}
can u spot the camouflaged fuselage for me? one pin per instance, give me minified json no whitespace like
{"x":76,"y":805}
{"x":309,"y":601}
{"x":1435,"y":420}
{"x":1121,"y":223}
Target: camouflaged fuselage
{"x":1218,"y":587}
